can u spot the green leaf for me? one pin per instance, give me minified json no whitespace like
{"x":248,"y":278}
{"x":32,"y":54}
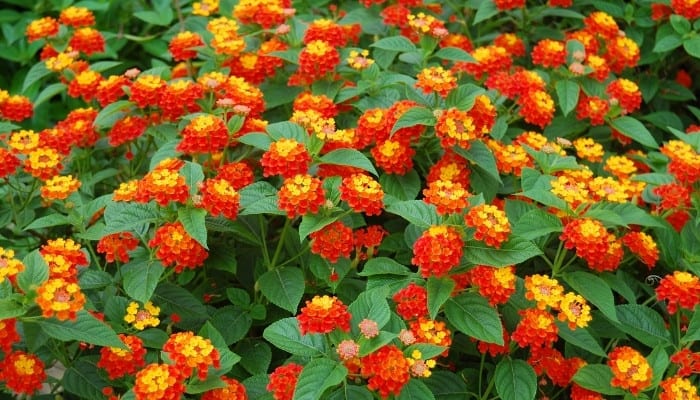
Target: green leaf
{"x":285,"y":335}
{"x":384,"y":266}
{"x":515,"y":380}
{"x":351,"y":392}
{"x":634,"y":130}
{"x":311,"y":223}
{"x":417,"y":212}
{"x":514,"y":251}
{"x":174,"y":299}
{"x":141,"y":278}
{"x":463,"y":96}
{"x":643,"y":324}
{"x":659,"y":361}
{"x":446,"y":385}
{"x":212,"y":382}
{"x":454,"y":54}
{"x":193,"y":220}
{"x":125,"y":217}
{"x":472,"y":315}
{"x":102,"y":66}
{"x":394,"y":43}
{"x":317,"y":376}
{"x":670,"y":41}
{"x":86,"y":328}
{"x":580,"y":338}
{"x":593,"y":289}
{"x":37,"y":72}
{"x":48,"y":221}
{"x":536,"y":223}
{"x":256,"y":356}
{"x":233,"y":322}
{"x":480,"y":155}
{"x":693,"y":332}
{"x":439,"y":290}
{"x":680,"y":24}
{"x":567,"y":92}
{"x":284,"y":287}
{"x":427,"y":350}
{"x":10,"y":307}
{"x":349,"y":157}
{"x":402,"y":187}
{"x":597,"y":377}
{"x":630,"y":214}
{"x":257,"y":140}
{"x":84,"y":380}
{"x":486,"y":10}
{"x":111,"y":113}
{"x":228,"y":358}
{"x":259,"y":198}
{"x":538,"y":187}
{"x":692,"y":46}
{"x":48,"y":92}
{"x":194,"y":175}
{"x":35,"y":272}
{"x":371,"y":305}
{"x":287,"y":130}
{"x":414,"y":116}
{"x":415,"y":389}
{"x":160,"y":18}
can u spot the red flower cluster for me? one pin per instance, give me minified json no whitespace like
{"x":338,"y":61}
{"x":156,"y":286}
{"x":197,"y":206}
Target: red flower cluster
{"x":120,"y":362}
{"x":332,"y":242}
{"x":176,"y":247}
{"x":323,"y":314}
{"x":283,"y":381}
{"x":437,"y":251}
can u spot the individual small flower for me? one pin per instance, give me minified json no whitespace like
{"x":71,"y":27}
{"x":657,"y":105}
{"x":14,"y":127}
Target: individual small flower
{"x":411,"y":302}
{"x":147,"y":90}
{"x":448,"y":197}
{"x":183,"y":45}
{"x":16,"y":108}
{"x":23,"y":373}
{"x":495,"y":284}
{"x":368,"y":328}
{"x":42,"y":28}
{"x":436,"y":79}
{"x":285,"y":157}
{"x":574,"y":309}
{"x":234,"y":390}
{"x":8,"y":334}
{"x":121,"y":362}
{"x":601,"y":24}
{"x":142,"y":317}
{"x":549,"y":53}
{"x":205,"y":133}
{"x":159,"y":382}
{"x":386,"y":370}
{"x":323,"y":314}
{"x":535,"y":329}
{"x":76,"y":17}
{"x":347,"y":349}
{"x":127,"y":129}
{"x":675,"y":388}
{"x":631,"y":371}
{"x":283,"y":381}
{"x":219,"y":198}
{"x":301,"y":194}
{"x":626,"y":93}
{"x":9,"y":265}
{"x":681,"y":288}
{"x":588,"y":149}
{"x":87,"y":40}
{"x":537,"y":108}
{"x":59,"y":187}
{"x":332,"y":242}
{"x":643,"y":246}
{"x":546,"y":291}
{"x":175,"y":247}
{"x":116,"y":246}
{"x":189,"y":351}
{"x":437,"y":251}
{"x":362,"y":193}
{"x":60,"y":298}
{"x":491,"y":224}
{"x":359,"y":60}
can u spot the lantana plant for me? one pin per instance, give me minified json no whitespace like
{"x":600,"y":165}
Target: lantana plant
{"x":375,"y":199}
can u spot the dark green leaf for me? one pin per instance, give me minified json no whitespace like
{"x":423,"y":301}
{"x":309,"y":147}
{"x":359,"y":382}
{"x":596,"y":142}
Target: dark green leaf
{"x":258,"y":140}
{"x":394,"y":43}
{"x":84,"y":380}
{"x":371,"y":305}
{"x":35,"y":272}
{"x":37,"y":72}
{"x":567,"y":92}
{"x":193,"y":220}
{"x":580,"y":338}
{"x":515,"y":380}
{"x":111,"y":113}
{"x":193,"y":174}
{"x":634,"y":130}
{"x":48,"y":221}
{"x":415,"y":389}
{"x":479,"y":154}
{"x":141,"y":278}
{"x":417,"y":212}
{"x":447,"y":385}
{"x":643,"y":323}
{"x":454,"y":54}
{"x":287,"y":130}
{"x":384,"y":266}
{"x":48,"y":92}
{"x":593,"y":289}
{"x":402,"y":187}
{"x":439,"y":290}
{"x":597,"y":377}
{"x":125,"y":217}
{"x":259,"y":198}
{"x":349,"y":157}
{"x":285,"y":335}
{"x":536,"y":223}
{"x":414,"y":116}
{"x":86,"y":328}
{"x":514,"y":251}
{"x":472,"y":315}
{"x":692,"y":46}
{"x":486,"y":10}
{"x":463,"y":96}
{"x":284,"y":287}
{"x":311,"y":223}
{"x":317,"y":376}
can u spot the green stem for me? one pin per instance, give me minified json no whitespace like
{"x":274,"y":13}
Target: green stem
{"x":558,"y":259}
{"x":263,"y":240}
{"x":481,"y":370}
{"x":278,"y":250}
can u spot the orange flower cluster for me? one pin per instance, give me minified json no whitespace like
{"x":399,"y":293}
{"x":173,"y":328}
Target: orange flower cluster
{"x":219,"y":198}
{"x":301,"y":194}
{"x":681,"y":288}
{"x":204,"y":134}
{"x":592,"y":241}
{"x":505,"y":5}
{"x":60,"y":298}
{"x":411,"y":302}
{"x":368,"y":238}
{"x":495,"y":284}
{"x":63,"y":256}
{"x":684,"y":161}
{"x":592,"y":107}
{"x":688,"y":362}
{"x":687,"y":8}
{"x":85,"y":84}
{"x":535,"y":329}
{"x":180,"y":97}
{"x":456,"y":127}
{"x":489,"y":60}
{"x":432,"y":332}
{"x":42,"y":28}
{"x":8,"y":163}
{"x":387,"y":371}
{"x":317,"y":59}
{"x":643,"y":246}
{"x":625,"y":93}
{"x":491,"y":224}
{"x":393,"y":156}
{"x":329,"y":31}
{"x":323,"y":314}
{"x":332,"y":242}
{"x":266,"y":13}
{"x":189,"y":351}
{"x":362,"y":193}
{"x":238,"y":174}
{"x":537,"y":108}
{"x":495,"y":349}
{"x":87,"y":40}
{"x":23,"y":373}
{"x":225,"y":36}
{"x":234,"y":390}
{"x":676,"y":387}
{"x":510,"y":158}
{"x":631,"y":371}
{"x":121,"y":362}
{"x":146,"y":90}
{"x":183,"y":45}
{"x":437,"y":251}
{"x":127,"y":129}
{"x":437,"y":80}
{"x":320,"y":103}
{"x":450,"y":167}
{"x":116,"y":246}
{"x":175,"y":247}
{"x":163,"y":184}
{"x":15,"y":107}
{"x":43,"y":163}
{"x":549,"y":53}
{"x":283,"y":381}
{"x":159,"y":381}
{"x":285,"y":157}
{"x":550,"y":361}
{"x":9,"y":265}
{"x":449,"y":197}
{"x":59,"y":187}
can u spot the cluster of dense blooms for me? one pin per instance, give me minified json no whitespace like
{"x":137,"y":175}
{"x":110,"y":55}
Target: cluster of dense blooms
{"x":462,"y":142}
